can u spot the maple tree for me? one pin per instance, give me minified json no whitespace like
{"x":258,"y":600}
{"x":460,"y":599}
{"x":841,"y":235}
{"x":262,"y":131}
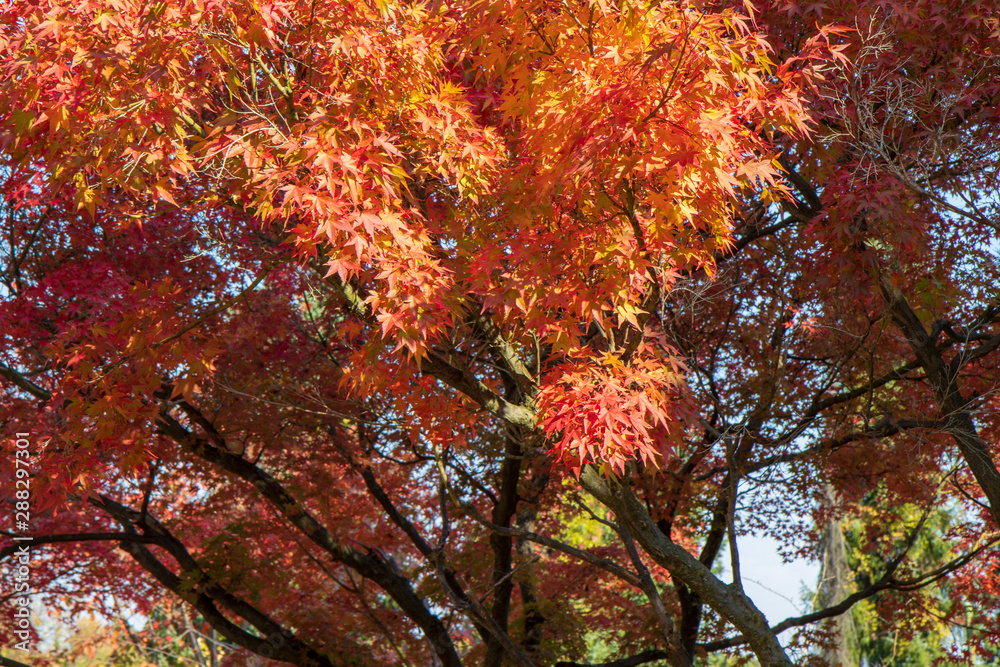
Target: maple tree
{"x":475,"y":332}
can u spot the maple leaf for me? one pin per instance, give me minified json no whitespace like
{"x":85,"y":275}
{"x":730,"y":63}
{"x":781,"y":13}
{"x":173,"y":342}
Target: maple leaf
{"x":469,"y":331}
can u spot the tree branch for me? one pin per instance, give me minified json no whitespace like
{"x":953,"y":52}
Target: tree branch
{"x":278,"y":642}
{"x":384,"y":574}
{"x":63,"y":538}
{"x":730,"y":603}
{"x":945,"y":383}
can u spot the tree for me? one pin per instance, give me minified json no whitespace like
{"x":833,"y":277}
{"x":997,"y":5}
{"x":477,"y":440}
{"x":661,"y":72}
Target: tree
{"x":469,"y":332}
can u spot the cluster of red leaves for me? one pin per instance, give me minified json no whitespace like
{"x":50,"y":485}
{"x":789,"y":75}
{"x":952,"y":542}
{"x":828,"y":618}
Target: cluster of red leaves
{"x":611,"y":412}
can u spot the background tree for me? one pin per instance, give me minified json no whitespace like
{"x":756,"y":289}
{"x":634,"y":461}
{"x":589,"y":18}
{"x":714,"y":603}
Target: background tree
{"x":470,"y":332}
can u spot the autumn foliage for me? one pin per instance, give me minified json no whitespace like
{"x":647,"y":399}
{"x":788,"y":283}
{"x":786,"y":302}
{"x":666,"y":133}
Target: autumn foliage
{"x":472,"y":332}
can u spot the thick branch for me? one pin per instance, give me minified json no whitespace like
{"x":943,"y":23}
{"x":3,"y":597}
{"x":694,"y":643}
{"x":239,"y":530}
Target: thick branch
{"x":502,"y":546}
{"x":471,"y":386}
{"x":463,"y":381}
{"x":958,"y":420}
{"x":731,"y":604}
{"x":278,"y":643}
{"x":64,"y":538}
{"x":369,"y":565}
{"x":24,"y":383}
{"x":631,"y":661}
{"x":602,"y":563}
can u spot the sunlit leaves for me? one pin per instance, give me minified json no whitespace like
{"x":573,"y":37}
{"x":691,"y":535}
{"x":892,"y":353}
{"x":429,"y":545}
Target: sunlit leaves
{"x":612,"y":413}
